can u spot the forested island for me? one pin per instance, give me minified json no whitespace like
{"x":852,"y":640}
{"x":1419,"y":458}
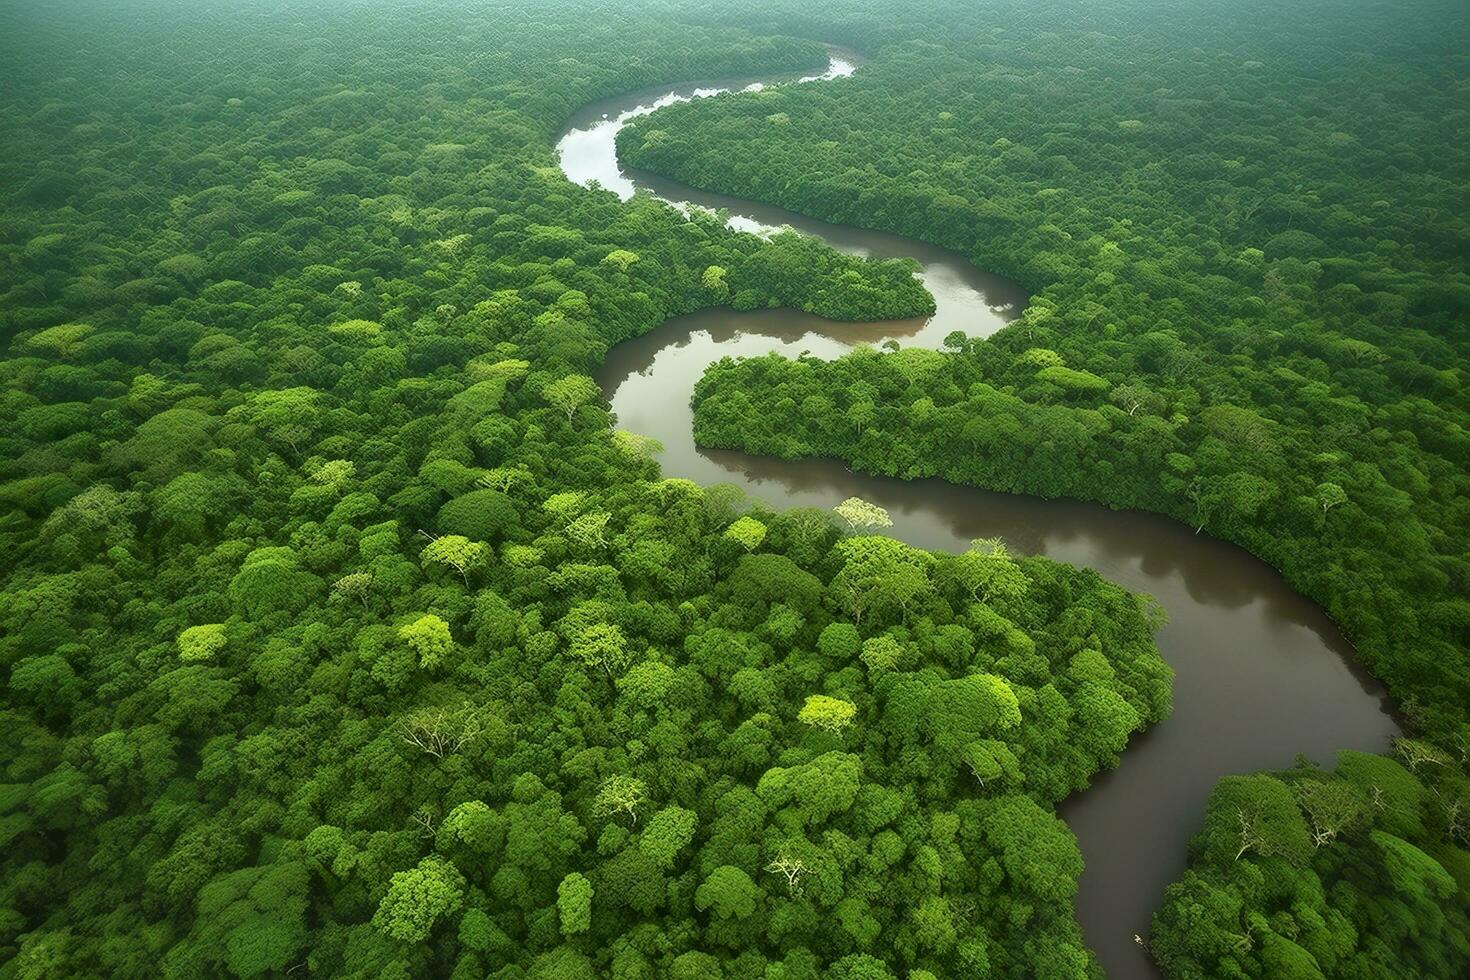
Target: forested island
{"x":346,"y":632}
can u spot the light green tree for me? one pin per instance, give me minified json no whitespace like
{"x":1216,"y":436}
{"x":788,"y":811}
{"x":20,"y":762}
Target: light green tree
{"x":457,"y":552}
{"x":428,"y":637}
{"x":565,"y":506}
{"x":588,"y":529}
{"x":988,"y":572}
{"x":1331,"y":805}
{"x":620,"y":794}
{"x":620,"y":257}
{"x":201,"y":643}
{"x":881,"y":572}
{"x":636,"y":446}
{"x":61,"y":340}
{"x":881,"y":653}
{"x":601,"y":645}
{"x":570,"y":393}
{"x":354,"y":585}
{"x":714,"y":282}
{"x":502,"y":478}
{"x":861,"y":515}
{"x":827,"y":713}
{"x":1330,"y":495}
{"x":747,"y":532}
{"x":1418,"y":753}
{"x":360,"y":331}
{"x":418,"y":898}
{"x":791,"y":867}
{"x":334,"y":473}
{"x":574,"y":904}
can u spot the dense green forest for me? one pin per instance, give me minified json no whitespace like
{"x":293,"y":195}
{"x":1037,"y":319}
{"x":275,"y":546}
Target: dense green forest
{"x":1260,"y":330}
{"x":1359,"y":872}
{"x":1246,"y":230}
{"x":342,"y":633}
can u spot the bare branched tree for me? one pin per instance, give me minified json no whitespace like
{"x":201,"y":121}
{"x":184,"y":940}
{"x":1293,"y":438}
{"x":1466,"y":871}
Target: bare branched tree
{"x":792,"y":868}
{"x":426,"y":818}
{"x":442,"y":731}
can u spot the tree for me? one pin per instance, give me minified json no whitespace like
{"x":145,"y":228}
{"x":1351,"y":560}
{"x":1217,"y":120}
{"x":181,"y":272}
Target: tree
{"x":574,"y":904}
{"x":1330,"y":495}
{"x":502,"y":478}
{"x":636,"y":446}
{"x":354,"y":585}
{"x":1418,"y":753}
{"x":335,"y":473}
{"x":442,"y":731}
{"x":1331,"y":805}
{"x":1284,"y":959}
{"x":647,"y":683}
{"x":861,"y":515}
{"x":1037,"y":851}
{"x":746,"y":532}
{"x":358,"y":331}
{"x":976,"y":705}
{"x":728,"y":893}
{"x":881,"y":653}
{"x":1411,"y":872}
{"x":480,"y":515}
{"x":620,"y":258}
{"x":429,"y":638}
{"x":457,"y":552}
{"x":934,"y":925}
{"x":588,"y":529}
{"x":271,"y":582}
{"x":253,"y":920}
{"x":289,"y":415}
{"x":792,"y":868}
{"x":668,"y":832}
{"x":813,"y":792}
{"x":48,"y":682}
{"x":880,"y":572}
{"x":191,"y":502}
{"x":991,"y":760}
{"x":202,"y":643}
{"x":94,"y":518}
{"x":987,"y":572}
{"x":570,"y":393}
{"x":714,"y":283}
{"x":601,"y":645}
{"x":418,"y":898}
{"x":1254,"y":814}
{"x":1131,"y":398}
{"x":61,"y":341}
{"x":827,"y":713}
{"x":565,"y":506}
{"x":193,"y":696}
{"x":620,"y":794}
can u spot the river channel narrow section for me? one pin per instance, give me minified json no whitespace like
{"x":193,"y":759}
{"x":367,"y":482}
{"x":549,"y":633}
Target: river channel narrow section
{"x":1261,"y":673}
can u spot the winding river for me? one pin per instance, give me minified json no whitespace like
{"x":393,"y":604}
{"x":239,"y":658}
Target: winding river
{"x":1261,"y":673}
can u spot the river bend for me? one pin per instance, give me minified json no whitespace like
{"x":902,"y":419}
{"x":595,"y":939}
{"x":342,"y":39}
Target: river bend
{"x":1261,"y":673}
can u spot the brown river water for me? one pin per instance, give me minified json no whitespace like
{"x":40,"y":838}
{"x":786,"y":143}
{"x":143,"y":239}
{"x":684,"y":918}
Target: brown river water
{"x":1261,"y":673}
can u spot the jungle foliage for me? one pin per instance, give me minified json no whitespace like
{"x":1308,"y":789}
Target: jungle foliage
{"x":340,"y":633}
{"x":1245,"y":229}
{"x":1356,"y":872}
